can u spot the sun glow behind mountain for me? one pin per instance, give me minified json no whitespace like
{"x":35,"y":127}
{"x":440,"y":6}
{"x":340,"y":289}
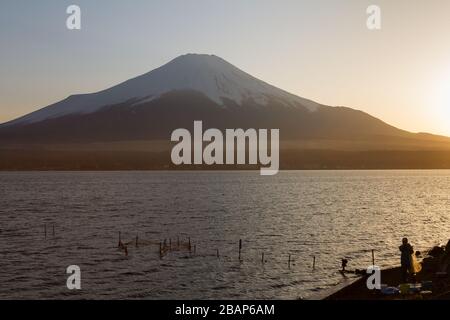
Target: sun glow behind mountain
{"x":441,"y":110}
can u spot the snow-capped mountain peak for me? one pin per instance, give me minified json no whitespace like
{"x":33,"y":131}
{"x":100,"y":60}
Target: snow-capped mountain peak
{"x":208,"y":74}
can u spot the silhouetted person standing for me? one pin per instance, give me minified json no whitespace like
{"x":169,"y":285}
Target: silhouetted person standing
{"x":406,"y":258}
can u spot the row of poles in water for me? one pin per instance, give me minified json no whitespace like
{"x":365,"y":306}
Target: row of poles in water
{"x":166,"y":246}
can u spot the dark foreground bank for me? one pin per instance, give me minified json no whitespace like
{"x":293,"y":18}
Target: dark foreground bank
{"x":431,"y":283}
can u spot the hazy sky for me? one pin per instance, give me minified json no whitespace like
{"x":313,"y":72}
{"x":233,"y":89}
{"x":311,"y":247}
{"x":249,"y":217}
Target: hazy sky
{"x":318,"y":49}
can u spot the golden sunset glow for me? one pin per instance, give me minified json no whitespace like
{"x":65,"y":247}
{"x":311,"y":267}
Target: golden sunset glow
{"x":440,"y":109}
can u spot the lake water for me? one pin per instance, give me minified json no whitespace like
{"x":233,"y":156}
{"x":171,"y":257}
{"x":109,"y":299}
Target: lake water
{"x":326,"y":214}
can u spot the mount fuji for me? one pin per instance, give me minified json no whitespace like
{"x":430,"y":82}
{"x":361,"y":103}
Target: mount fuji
{"x":142,"y":112}
{"x":209,"y":75}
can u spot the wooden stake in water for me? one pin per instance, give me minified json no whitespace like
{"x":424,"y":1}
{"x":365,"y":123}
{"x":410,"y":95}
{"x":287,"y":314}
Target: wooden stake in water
{"x":217,"y":253}
{"x":120,"y":239}
{"x":289,"y":262}
{"x":137,"y":241}
{"x":160,"y":249}
{"x":373,"y":257}
{"x":314,"y":262}
{"x":45,"y":231}
{"x":262,"y":258}
{"x":195,"y":249}
{"x":53,"y":230}
{"x":189,"y":244}
{"x":240,"y":248}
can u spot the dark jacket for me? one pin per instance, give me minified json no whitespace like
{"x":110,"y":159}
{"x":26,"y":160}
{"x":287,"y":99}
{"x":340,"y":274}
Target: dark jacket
{"x":406,"y":250}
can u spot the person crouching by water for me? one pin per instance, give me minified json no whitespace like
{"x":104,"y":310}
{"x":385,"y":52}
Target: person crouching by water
{"x":406,"y":258}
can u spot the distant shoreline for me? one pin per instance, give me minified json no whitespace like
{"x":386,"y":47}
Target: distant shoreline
{"x":212,"y":170}
{"x":120,"y":160}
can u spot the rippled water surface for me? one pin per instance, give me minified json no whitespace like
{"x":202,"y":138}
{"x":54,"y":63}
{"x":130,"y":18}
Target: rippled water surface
{"x":326,"y":214}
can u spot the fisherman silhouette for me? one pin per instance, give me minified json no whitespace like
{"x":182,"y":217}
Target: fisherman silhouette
{"x":406,"y":258}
